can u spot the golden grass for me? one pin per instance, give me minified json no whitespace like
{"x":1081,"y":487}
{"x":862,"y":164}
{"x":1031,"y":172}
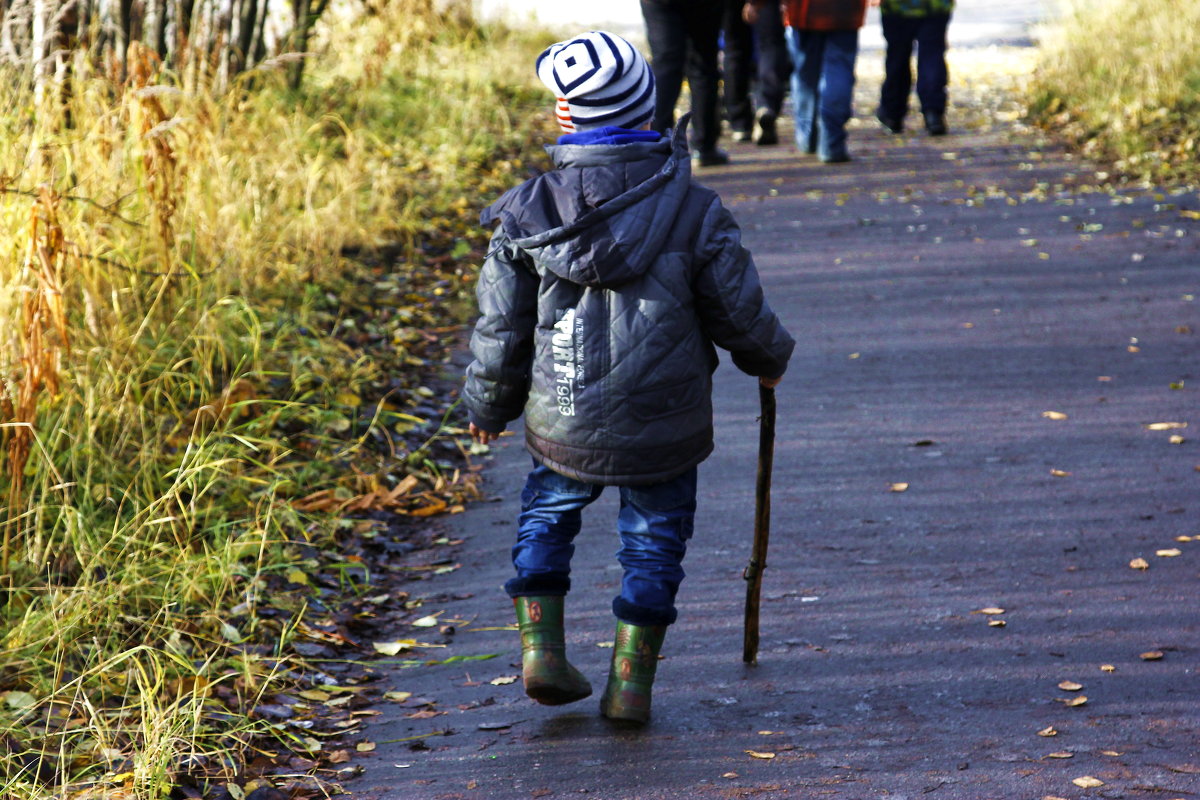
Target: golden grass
{"x":170,"y":305}
{"x":1122,"y":78}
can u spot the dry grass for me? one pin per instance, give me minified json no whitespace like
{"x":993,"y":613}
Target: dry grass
{"x":171,"y":259}
{"x":1122,"y":79}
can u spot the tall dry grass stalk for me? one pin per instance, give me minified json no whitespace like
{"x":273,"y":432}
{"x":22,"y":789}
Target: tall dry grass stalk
{"x":1122,"y":77}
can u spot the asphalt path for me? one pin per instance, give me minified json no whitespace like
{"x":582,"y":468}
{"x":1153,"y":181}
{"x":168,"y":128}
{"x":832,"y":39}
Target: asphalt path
{"x":984,"y":323}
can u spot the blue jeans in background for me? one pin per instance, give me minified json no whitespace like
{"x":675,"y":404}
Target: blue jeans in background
{"x":822,"y":89}
{"x":654,"y":524}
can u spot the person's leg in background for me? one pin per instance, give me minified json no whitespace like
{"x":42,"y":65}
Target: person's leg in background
{"x":836,"y":95}
{"x":774,"y":70}
{"x":736,"y":69}
{"x":898,"y":32}
{"x":666,"y":34}
{"x":806,"y":49}
{"x":932,"y":74}
{"x":702,"y":22}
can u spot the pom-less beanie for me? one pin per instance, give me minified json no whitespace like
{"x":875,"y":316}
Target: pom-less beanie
{"x":599,"y":79}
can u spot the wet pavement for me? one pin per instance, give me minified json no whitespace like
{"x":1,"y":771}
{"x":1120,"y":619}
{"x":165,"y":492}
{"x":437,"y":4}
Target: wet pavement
{"x":985,"y":324}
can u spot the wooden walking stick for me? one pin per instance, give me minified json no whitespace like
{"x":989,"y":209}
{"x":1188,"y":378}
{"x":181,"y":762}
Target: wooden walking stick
{"x":762,"y":522}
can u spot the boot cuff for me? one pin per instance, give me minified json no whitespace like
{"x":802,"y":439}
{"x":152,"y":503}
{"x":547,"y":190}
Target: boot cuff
{"x":642,"y":615}
{"x":538,"y":585}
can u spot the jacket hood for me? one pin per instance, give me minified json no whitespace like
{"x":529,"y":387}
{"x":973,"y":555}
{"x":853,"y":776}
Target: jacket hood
{"x":603,"y":215}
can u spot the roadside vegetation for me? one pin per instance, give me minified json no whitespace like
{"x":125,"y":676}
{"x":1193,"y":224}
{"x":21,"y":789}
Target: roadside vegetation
{"x":222,"y":314}
{"x":1121,"y":79}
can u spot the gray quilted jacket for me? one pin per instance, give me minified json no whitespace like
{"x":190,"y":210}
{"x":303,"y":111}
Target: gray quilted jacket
{"x":607,"y":283}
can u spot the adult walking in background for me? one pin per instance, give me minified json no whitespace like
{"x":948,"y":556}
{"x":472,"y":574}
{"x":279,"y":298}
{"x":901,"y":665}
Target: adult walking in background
{"x":923,"y":23}
{"x":684,"y":40}
{"x":748,"y":29}
{"x":822,"y":38}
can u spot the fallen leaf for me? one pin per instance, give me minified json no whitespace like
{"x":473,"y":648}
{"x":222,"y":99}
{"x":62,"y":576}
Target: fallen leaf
{"x":1107,"y":668}
{"x":1165,"y":426}
{"x":989,"y":610}
{"x":1056,"y":415}
{"x":315,"y":694}
{"x":996,"y":623}
{"x":898,"y":487}
{"x":757,"y":754}
{"x":1087,"y":782}
{"x":393,"y":648}
{"x":339,"y":757}
{"x":1060,"y":473}
{"x":1110,"y":753}
{"x":730,"y":775}
{"x":1053,"y":797}
{"x":1139,"y":563}
{"x":1176,"y":439}
{"x":426,"y":622}
{"x":397,"y":697}
{"x":1070,"y":686}
{"x":1061,"y":754}
{"x":1183,"y":538}
{"x":605,"y":644}
{"x":1168,"y":553}
{"x":494,"y":726}
{"x":503,"y":680}
{"x":1048,"y":731}
{"x":1152,"y":655}
{"x":425,"y":714}
{"x":767,"y":733}
{"x":364,"y":747}
{"x":1072,"y":702}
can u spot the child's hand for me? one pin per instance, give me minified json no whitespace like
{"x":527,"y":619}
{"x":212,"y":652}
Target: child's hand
{"x":481,"y":436}
{"x":770,"y":383}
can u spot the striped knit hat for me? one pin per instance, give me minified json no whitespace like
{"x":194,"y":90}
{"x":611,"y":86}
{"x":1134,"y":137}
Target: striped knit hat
{"x":599,"y":79}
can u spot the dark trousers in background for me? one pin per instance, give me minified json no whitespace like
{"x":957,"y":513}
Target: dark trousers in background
{"x":683,"y":36}
{"x":929,"y":36}
{"x":771,"y":72}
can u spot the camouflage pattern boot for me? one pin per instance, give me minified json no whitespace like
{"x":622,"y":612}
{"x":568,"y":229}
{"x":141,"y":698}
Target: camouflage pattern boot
{"x":549,"y":678}
{"x":634,"y":662}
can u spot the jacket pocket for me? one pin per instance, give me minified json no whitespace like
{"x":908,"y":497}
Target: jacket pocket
{"x":666,"y":399}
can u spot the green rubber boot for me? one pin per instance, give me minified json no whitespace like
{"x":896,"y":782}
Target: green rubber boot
{"x":634,"y":662}
{"x":549,"y":678}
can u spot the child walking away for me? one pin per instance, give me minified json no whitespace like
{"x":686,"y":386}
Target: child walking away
{"x":607,"y":284}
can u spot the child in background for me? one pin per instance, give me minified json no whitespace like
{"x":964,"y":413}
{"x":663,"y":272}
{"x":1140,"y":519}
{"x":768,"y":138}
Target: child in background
{"x":608,"y":281}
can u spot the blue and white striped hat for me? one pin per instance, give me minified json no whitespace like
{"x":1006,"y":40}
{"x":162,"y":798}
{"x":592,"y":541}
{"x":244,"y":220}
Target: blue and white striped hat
{"x":599,"y":79}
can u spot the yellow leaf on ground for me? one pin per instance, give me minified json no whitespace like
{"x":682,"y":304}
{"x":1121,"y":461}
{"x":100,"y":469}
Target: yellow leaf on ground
{"x":364,"y":747}
{"x":898,"y":487}
{"x":1107,"y":668}
{"x":729,"y":775}
{"x":757,"y":754}
{"x":1055,"y":415}
{"x":1061,"y":754}
{"x":315,"y":694}
{"x":426,"y":622}
{"x":1048,"y":731}
{"x":1176,"y":439}
{"x":1070,"y":686}
{"x":393,"y":648}
{"x":990,"y":610}
{"x":1152,"y":655}
{"x":1165,"y":426}
{"x":1110,"y":752}
{"x":1060,"y":473}
{"x":397,"y":697}
{"x":1139,"y":563}
{"x":503,"y":680}
{"x":1169,"y":553}
{"x":996,"y":623}
{"x":1078,"y":700}
{"x":1087,"y":782}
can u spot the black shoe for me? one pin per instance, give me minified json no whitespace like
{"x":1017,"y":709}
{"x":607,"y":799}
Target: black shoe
{"x":710,"y":158}
{"x":935,"y":123}
{"x":766,"y":127}
{"x":891,"y":123}
{"x":835,"y":158}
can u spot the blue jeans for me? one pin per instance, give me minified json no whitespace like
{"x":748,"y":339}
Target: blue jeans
{"x":822,"y":88}
{"x":654,"y":523}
